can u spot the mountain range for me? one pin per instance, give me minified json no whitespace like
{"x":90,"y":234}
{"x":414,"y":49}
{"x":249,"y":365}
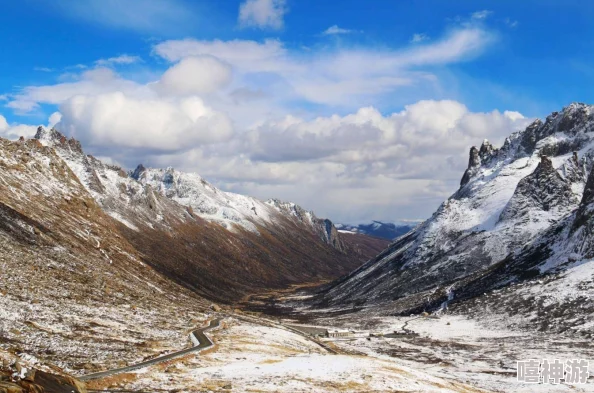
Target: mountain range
{"x":384,"y":230}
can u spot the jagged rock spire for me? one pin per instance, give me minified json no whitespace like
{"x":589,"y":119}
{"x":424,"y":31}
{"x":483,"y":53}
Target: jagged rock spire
{"x":138,"y":172}
{"x":474,"y":162}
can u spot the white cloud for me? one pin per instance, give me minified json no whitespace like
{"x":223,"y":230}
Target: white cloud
{"x":360,"y":166}
{"x":419,"y":37}
{"x":54,"y":119}
{"x":262,"y":13}
{"x":426,"y":128}
{"x":333,"y":77}
{"x":480,"y":15}
{"x":3,"y":124}
{"x":195,"y":75}
{"x":121,"y":59}
{"x":94,"y":81}
{"x":42,"y":69}
{"x":333,"y":30}
{"x":114,"y":119}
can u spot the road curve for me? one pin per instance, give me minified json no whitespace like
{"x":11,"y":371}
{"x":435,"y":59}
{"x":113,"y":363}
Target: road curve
{"x":200,"y":340}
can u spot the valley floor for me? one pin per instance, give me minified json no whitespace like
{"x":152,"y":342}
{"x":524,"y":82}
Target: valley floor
{"x":256,"y":358}
{"x":449,"y":354}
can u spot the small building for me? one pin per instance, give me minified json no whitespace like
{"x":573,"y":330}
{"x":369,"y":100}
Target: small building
{"x":339,"y":333}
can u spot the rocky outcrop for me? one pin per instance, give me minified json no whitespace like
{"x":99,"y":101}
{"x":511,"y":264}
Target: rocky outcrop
{"x":329,"y":234}
{"x":71,"y":150}
{"x":36,"y":381}
{"x":322,"y":227}
{"x":542,"y":191}
{"x":476,"y":158}
{"x":474,"y":162}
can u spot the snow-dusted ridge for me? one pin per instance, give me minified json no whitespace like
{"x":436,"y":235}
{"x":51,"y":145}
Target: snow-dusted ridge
{"x":117,"y":190}
{"x":520,"y":199}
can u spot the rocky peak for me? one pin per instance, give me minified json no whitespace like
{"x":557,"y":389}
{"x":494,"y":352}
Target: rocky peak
{"x":138,"y":173}
{"x":574,"y":119}
{"x":545,"y":165}
{"x":486,"y":151}
{"x":474,"y":162}
{"x":56,"y":139}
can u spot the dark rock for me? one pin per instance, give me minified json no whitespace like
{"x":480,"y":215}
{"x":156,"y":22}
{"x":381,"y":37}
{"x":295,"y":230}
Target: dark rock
{"x":474,"y":162}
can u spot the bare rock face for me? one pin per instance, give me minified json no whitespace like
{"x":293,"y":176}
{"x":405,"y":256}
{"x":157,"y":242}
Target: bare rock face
{"x":478,"y":157}
{"x":329,"y":234}
{"x":585,"y":214}
{"x":542,"y":191}
{"x":474,"y":162}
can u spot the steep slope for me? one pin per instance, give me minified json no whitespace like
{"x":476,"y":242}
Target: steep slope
{"x":72,"y":289}
{"x":218,"y":244}
{"x":508,"y":198}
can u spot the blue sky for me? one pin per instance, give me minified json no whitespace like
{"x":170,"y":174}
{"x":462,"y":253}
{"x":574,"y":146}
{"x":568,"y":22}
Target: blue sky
{"x":273,"y":97}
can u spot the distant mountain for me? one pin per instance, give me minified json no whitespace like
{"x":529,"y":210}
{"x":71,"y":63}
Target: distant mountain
{"x":522,"y":220}
{"x":380,"y":229}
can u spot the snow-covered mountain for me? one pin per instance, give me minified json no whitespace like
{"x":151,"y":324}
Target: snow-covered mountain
{"x":384,"y":230}
{"x":522,"y":211}
{"x":204,"y":237}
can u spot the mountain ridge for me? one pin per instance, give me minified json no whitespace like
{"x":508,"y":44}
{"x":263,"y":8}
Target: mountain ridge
{"x":202,"y":237}
{"x":520,"y":214}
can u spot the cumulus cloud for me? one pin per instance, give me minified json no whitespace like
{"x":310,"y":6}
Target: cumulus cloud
{"x":195,"y":75}
{"x":426,"y":128}
{"x":262,"y":13}
{"x":54,"y":119}
{"x":113,"y":119}
{"x":95,"y":81}
{"x":357,"y":166}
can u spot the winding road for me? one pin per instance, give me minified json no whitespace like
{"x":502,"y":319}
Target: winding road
{"x":200,"y":340}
